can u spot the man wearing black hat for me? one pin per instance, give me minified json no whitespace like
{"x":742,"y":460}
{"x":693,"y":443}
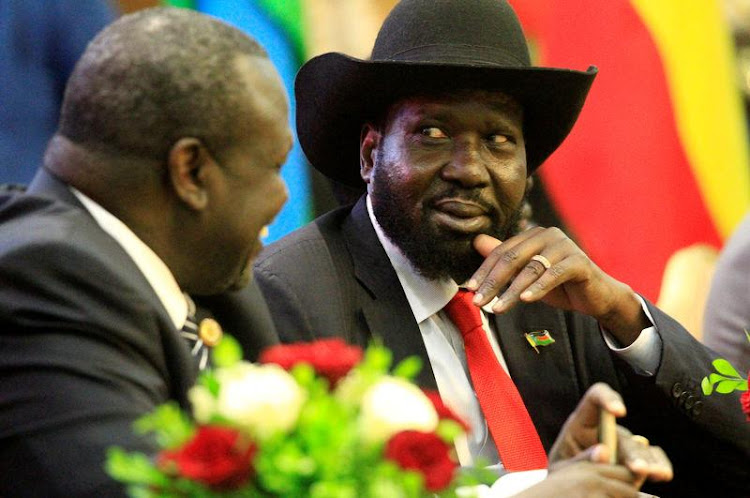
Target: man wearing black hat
{"x":447,"y":120}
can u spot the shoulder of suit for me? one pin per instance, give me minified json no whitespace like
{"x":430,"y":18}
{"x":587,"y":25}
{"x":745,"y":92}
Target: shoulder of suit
{"x":29,"y":219}
{"x":309,"y":238}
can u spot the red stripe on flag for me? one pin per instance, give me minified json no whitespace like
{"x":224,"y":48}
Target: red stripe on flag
{"x":621,"y":181}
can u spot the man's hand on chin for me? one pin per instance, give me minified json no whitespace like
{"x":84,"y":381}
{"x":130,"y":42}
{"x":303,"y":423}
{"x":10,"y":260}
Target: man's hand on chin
{"x":544,"y":264}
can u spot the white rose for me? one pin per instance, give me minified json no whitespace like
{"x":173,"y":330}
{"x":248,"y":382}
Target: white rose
{"x":204,"y":404}
{"x":393,"y":405}
{"x":262,"y":400}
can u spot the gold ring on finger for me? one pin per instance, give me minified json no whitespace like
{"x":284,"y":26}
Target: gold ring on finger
{"x":640,"y":439}
{"x":544,"y":261}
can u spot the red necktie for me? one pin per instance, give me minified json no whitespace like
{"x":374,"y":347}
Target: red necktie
{"x":511,"y":427}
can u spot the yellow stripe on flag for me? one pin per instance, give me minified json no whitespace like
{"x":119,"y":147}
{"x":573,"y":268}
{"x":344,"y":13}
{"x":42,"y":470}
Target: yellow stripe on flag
{"x":695,"y":45}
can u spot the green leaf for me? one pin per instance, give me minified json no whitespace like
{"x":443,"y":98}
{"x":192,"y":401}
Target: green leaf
{"x":133,"y":468}
{"x":448,"y":430}
{"x":473,"y":476}
{"x":706,"y":386}
{"x":227,"y":352}
{"x":377,"y":359}
{"x":727,"y":386}
{"x":304,"y":374}
{"x":208,"y":380}
{"x":747,"y":334}
{"x":171,"y":426}
{"x":714,"y":378}
{"x":408,"y":368}
{"x":724,"y":367}
{"x":333,"y":489}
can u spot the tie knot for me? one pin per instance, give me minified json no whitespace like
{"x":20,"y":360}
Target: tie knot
{"x":463,"y":313}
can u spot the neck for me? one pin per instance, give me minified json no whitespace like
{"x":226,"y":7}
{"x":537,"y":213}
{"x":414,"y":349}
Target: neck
{"x":129,"y":189}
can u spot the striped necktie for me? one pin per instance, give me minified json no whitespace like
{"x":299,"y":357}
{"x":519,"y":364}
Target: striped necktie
{"x":512,"y":429}
{"x":191,"y":334}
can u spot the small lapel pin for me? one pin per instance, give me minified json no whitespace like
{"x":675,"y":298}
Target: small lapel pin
{"x":210,"y":332}
{"x":539,"y":338}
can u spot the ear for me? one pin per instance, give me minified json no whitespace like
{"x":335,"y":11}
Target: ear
{"x":369,"y":141}
{"x":187,"y":165}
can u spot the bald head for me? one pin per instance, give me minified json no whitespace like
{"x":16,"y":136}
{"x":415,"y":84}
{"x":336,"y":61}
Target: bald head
{"x":155,"y":76}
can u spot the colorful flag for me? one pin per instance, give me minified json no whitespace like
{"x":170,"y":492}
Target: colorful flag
{"x":539,"y":338}
{"x":658,"y":160}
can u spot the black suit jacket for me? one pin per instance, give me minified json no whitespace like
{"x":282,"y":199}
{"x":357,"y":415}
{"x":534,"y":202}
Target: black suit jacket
{"x":86,"y":347}
{"x":333,"y":278}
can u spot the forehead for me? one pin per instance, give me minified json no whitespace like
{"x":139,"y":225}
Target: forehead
{"x":264,"y":93}
{"x":265,"y":104}
{"x":461,"y":102}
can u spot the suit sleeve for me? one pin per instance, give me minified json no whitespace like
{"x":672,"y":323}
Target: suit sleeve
{"x":80,"y":359}
{"x":706,"y":437}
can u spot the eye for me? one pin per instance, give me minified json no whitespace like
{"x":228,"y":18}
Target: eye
{"x":433,"y":132}
{"x":498,"y":139}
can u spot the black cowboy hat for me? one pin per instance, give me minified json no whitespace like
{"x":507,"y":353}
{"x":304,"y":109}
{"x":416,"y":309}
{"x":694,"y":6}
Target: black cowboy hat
{"x":427,"y":46}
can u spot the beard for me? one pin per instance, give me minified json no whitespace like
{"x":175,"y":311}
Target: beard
{"x":435,"y":252}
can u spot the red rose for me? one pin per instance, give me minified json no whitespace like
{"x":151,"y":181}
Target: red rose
{"x":745,"y":400}
{"x":216,"y":456}
{"x":443,"y":411}
{"x":424,"y":452}
{"x":331,"y":358}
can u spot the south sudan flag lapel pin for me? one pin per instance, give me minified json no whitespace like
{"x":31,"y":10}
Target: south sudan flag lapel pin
{"x":539,"y":338}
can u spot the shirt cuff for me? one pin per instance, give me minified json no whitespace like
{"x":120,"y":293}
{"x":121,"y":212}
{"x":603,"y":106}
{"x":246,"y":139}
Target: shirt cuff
{"x":513,"y":483}
{"x":644,"y":354}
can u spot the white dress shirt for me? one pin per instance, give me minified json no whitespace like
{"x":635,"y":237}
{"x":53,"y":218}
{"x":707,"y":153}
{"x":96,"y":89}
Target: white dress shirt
{"x":153,"y":268}
{"x":445,"y":350}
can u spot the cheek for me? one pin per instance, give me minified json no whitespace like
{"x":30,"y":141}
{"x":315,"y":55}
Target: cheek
{"x":510,"y":180}
{"x":267,"y":200}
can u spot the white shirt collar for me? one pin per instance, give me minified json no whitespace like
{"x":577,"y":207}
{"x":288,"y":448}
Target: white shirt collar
{"x":153,"y":268}
{"x":426,"y":297}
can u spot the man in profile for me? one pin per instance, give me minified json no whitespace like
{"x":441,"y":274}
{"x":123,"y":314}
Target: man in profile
{"x":162,"y":174}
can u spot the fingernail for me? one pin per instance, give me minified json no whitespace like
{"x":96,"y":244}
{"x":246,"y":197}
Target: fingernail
{"x":498,"y":306}
{"x":616,"y":406}
{"x":472,"y":284}
{"x":639,"y":464}
{"x":526,"y":294}
{"x":478,"y":298}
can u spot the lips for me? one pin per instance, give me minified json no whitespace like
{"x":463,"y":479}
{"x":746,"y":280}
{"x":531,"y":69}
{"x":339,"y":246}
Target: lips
{"x":460,"y":208}
{"x":461,"y":215}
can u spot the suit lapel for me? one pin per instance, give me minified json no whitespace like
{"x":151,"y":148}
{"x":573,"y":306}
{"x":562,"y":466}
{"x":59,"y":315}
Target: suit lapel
{"x":546,"y":380}
{"x":384,"y":306}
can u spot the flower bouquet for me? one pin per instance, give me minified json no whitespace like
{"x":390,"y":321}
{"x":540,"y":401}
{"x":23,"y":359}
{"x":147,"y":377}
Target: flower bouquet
{"x":323,"y":419}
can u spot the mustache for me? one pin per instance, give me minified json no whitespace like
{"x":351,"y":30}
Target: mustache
{"x":467,"y":195}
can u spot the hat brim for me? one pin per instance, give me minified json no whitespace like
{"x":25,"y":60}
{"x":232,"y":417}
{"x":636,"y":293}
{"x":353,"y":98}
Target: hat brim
{"x":336,"y":94}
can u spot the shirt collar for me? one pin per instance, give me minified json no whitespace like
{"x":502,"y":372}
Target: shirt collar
{"x":153,"y":268}
{"x":426,"y":297}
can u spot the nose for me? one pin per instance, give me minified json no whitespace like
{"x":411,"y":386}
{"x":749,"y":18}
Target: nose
{"x":466,"y":166}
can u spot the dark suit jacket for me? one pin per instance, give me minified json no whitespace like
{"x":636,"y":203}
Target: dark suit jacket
{"x":333,"y":278}
{"x":86,"y":347}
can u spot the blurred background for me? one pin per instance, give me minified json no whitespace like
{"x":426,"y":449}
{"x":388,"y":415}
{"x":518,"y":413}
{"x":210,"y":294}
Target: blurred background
{"x":651,"y":182}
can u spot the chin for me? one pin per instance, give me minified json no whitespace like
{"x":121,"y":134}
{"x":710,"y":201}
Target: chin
{"x":243,"y":278}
